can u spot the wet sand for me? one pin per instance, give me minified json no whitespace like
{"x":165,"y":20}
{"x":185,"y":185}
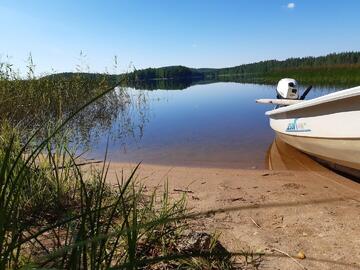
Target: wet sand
{"x":297,"y":206}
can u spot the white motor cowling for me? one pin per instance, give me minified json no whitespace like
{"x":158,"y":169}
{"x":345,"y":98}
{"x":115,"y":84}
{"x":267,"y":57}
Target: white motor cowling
{"x":287,"y":88}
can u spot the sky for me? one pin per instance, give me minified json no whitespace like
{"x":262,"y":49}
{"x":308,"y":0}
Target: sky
{"x":154,"y":33}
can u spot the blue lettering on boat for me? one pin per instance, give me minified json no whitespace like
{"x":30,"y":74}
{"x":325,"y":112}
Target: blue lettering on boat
{"x":295,"y":126}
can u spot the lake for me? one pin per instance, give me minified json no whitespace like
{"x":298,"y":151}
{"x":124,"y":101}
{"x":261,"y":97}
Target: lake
{"x":207,"y":125}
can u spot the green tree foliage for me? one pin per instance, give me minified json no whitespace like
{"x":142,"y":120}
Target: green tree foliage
{"x":171,"y":72}
{"x":338,"y":68}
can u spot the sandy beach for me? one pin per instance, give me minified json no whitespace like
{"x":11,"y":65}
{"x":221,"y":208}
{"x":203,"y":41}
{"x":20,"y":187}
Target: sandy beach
{"x":302,"y":207}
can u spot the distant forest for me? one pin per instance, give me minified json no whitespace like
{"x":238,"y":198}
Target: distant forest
{"x":335,"y":68}
{"x":171,"y":72}
{"x":338,"y":68}
{"x":330,"y":60}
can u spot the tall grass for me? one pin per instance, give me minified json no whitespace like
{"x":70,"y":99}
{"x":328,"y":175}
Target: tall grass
{"x":55,"y":213}
{"x":27,"y":102}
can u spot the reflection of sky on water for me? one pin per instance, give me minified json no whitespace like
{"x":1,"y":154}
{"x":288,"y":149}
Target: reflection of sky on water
{"x":205,"y":125}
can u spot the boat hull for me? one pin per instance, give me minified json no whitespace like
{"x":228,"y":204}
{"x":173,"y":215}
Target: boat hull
{"x":327,"y":127}
{"x":345,"y":152}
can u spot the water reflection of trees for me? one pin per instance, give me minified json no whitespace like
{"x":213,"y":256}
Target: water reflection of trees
{"x":164,"y":84}
{"x":121,"y":114}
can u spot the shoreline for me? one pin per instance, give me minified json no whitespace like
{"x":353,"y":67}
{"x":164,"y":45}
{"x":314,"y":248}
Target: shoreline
{"x":316,"y":212}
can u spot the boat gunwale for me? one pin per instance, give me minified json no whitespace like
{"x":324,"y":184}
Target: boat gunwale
{"x":339,"y":95}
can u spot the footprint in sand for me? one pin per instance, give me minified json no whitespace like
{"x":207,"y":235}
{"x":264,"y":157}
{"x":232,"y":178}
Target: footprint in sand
{"x":293,"y":186}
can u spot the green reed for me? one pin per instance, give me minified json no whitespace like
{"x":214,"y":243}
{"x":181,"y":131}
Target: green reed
{"x":54,"y":213}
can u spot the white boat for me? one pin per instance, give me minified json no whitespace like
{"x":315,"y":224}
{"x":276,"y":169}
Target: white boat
{"x":327,"y":127}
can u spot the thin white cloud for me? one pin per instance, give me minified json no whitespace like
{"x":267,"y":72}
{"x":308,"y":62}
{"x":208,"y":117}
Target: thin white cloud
{"x":290,"y":5}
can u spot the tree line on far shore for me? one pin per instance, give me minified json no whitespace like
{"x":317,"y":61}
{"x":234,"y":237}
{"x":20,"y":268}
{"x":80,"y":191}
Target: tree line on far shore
{"x":335,"y":68}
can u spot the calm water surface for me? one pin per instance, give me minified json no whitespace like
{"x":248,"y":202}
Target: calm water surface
{"x":211,"y":125}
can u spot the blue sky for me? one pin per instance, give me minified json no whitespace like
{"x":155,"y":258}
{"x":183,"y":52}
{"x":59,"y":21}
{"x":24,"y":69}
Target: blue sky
{"x":195,"y":33}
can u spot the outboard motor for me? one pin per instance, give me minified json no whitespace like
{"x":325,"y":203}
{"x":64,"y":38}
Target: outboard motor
{"x":287,"y":88}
